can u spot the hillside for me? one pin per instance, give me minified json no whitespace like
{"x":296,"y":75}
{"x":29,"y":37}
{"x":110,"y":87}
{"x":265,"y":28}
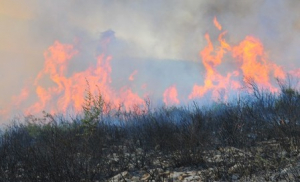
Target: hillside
{"x":255,"y":138}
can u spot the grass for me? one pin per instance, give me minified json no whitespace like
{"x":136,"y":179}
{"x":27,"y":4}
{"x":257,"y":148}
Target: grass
{"x":91,"y":147}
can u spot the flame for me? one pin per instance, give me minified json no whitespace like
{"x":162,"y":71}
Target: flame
{"x":68,"y":92}
{"x":217,"y":24}
{"x":170,"y":96}
{"x":255,"y":65}
{"x":214,"y":81}
{"x":57,"y":89}
{"x":250,"y":59}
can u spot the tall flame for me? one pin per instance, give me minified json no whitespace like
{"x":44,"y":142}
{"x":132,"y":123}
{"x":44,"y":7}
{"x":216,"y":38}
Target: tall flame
{"x":56,"y":89}
{"x":68,"y":92}
{"x":250,"y":62}
{"x":255,"y":64}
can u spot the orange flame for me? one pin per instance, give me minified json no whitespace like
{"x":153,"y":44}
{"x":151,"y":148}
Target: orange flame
{"x":214,"y":81}
{"x":254,"y":62}
{"x":55,"y":91}
{"x":249,"y":55}
{"x":217,"y":24}
{"x":68,"y":92}
{"x":170,"y":96}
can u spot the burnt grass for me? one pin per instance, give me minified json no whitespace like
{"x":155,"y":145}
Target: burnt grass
{"x":96,"y":146}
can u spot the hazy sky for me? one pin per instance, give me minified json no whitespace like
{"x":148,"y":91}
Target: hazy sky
{"x":160,"y":32}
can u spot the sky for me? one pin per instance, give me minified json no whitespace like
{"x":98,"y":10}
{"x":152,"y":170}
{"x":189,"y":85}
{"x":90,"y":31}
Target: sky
{"x":156,"y":42}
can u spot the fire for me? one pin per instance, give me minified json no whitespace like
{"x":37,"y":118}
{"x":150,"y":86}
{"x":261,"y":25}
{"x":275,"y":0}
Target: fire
{"x":170,"y":96}
{"x":217,"y":24}
{"x":68,"y":92}
{"x":57,"y":89}
{"x":214,"y":81}
{"x":250,"y":62}
{"x":255,"y":65}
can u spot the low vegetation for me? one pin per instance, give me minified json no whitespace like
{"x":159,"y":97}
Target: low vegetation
{"x":226,"y":141}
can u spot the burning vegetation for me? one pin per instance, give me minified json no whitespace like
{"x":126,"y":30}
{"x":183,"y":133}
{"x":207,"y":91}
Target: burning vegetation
{"x":255,"y":138}
{"x":119,"y":135}
{"x":57,"y":90}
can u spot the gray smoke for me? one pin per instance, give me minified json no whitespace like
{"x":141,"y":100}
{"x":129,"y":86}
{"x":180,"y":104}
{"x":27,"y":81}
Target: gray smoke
{"x":160,"y":39}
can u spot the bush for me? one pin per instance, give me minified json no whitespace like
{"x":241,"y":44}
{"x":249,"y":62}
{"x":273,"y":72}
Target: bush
{"x":99,"y":145}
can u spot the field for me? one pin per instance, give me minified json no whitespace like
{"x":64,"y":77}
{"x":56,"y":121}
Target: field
{"x":254,"y":138}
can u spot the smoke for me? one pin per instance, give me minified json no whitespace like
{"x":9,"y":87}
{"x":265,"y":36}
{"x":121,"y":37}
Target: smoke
{"x":155,"y":46}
